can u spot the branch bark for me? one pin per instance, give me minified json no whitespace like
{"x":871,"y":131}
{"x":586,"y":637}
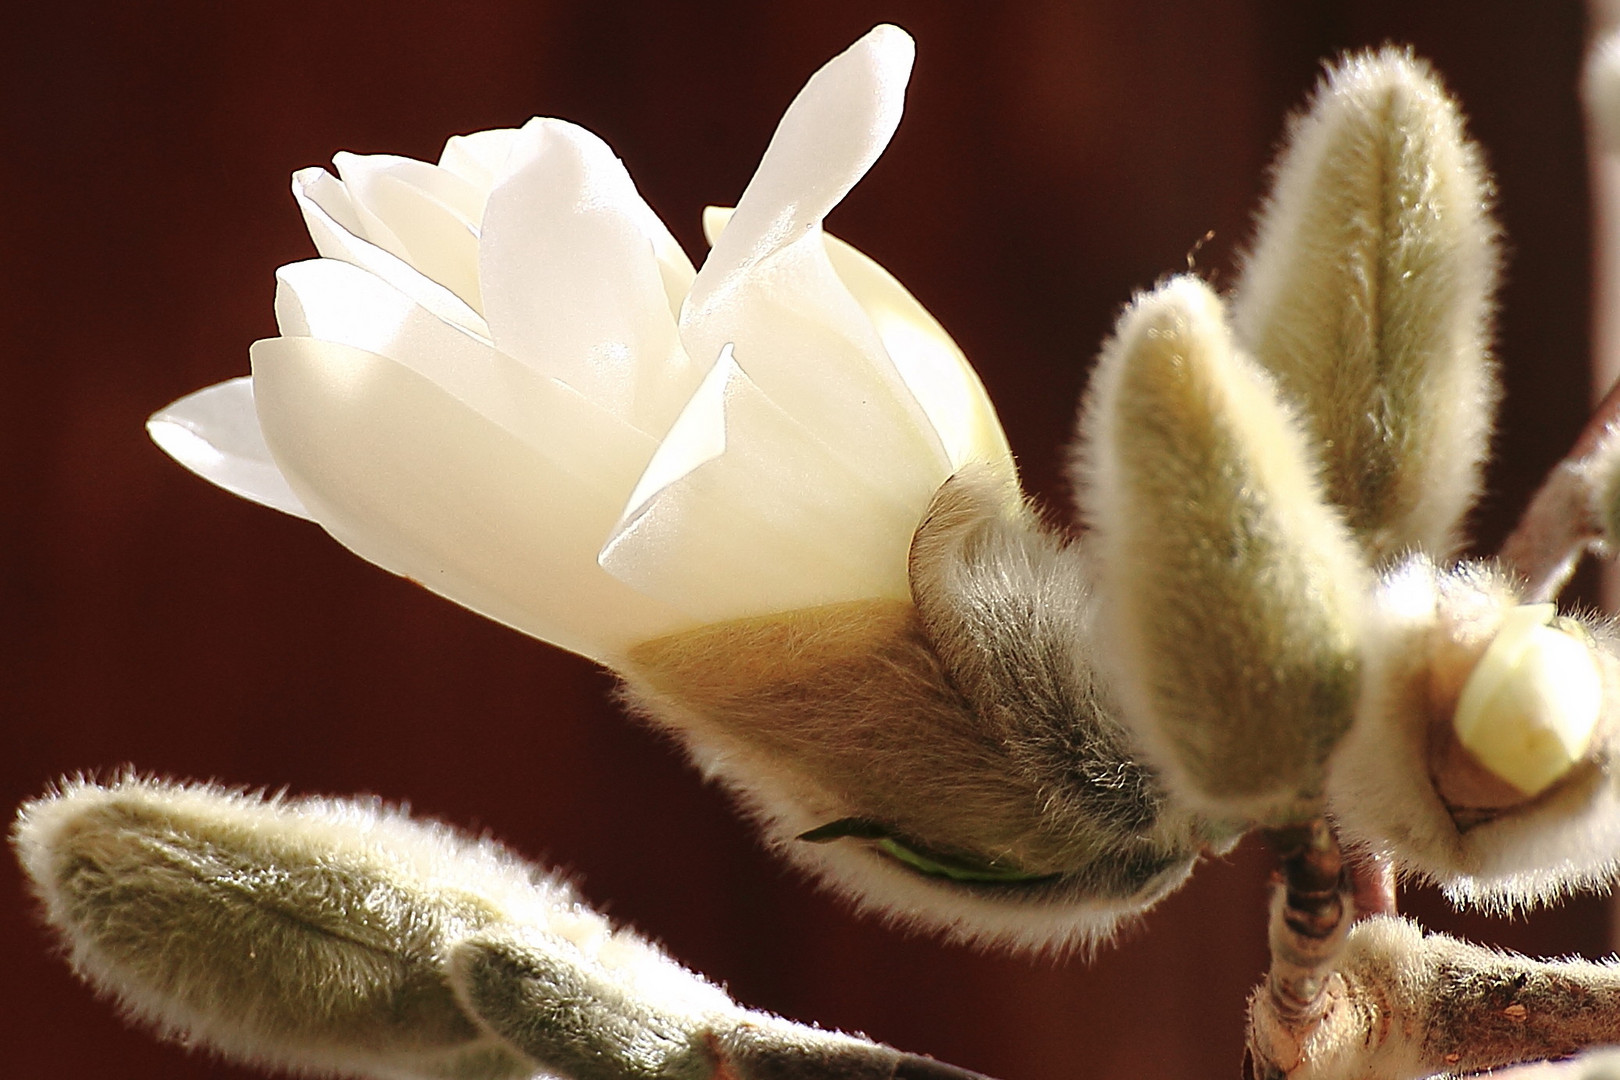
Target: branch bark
{"x":1561,"y":522}
{"x":1382,"y":1000}
{"x":1312,"y":907}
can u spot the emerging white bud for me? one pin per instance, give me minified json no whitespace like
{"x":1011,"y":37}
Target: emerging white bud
{"x":1529,"y":710}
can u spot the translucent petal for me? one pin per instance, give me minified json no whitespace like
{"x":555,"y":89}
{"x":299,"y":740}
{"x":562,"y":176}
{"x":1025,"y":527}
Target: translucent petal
{"x":336,"y":228}
{"x":743,"y":512}
{"x":478,"y":158}
{"x":572,"y":284}
{"x":411,"y":479}
{"x":432,"y":212}
{"x":215,"y":433}
{"x":939,"y":375}
{"x":769,"y":288}
{"x":337,"y":302}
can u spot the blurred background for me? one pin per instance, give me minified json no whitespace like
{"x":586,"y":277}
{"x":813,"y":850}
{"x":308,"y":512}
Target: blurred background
{"x":1056,"y":156}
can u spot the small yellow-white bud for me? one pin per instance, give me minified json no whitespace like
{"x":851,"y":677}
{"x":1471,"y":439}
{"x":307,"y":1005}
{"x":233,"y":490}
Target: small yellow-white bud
{"x":1528,"y":711}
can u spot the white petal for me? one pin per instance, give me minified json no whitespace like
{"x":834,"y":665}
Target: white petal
{"x":455,"y":193}
{"x":572,"y":282}
{"x":742,"y":512}
{"x":936,"y":370}
{"x":315,"y":189}
{"x":432,"y":212}
{"x":335,"y":226}
{"x":769,"y":288}
{"x":333,"y":301}
{"x":215,"y":433}
{"x":831,"y":134}
{"x":478,"y":158}
{"x":413,"y":480}
{"x":933,"y":367}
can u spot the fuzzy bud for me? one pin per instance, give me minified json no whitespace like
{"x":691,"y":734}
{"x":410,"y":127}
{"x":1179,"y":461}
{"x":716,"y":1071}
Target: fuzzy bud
{"x":1368,"y":294}
{"x":1235,"y":591}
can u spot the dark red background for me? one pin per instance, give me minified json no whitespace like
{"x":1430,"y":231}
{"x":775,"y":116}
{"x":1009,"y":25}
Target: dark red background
{"x":1056,"y":156}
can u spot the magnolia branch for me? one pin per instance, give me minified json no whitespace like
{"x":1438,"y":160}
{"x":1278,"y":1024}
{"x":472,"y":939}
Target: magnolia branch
{"x":1562,"y":521}
{"x":1311,"y":911}
{"x":1378,"y":999}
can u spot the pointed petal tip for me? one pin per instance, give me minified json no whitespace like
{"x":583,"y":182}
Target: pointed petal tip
{"x":214,"y":433}
{"x":892,"y":44}
{"x":302,"y":178}
{"x":558,"y":140}
{"x":889,"y":52}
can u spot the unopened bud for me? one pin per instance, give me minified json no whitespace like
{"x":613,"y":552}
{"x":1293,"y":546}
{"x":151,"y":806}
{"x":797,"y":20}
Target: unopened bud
{"x":1530,"y":708}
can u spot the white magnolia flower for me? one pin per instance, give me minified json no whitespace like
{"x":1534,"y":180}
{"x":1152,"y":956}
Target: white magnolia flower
{"x":503,"y":379}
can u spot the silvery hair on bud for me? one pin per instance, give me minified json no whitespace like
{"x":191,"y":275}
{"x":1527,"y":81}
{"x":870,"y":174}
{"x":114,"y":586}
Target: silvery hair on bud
{"x":1232,"y":589}
{"x":1369,"y":294}
{"x":1600,"y":89}
{"x":319,"y":934}
{"x":1009,"y":606}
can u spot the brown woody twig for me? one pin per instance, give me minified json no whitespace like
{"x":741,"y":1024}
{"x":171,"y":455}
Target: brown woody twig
{"x":1561,"y":522}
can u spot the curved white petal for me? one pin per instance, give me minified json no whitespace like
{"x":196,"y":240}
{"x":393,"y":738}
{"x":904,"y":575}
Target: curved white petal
{"x":478,"y":158}
{"x":336,"y":302}
{"x":933,"y":367}
{"x":743,"y":512}
{"x":831,"y":134}
{"x":572,"y":282}
{"x":445,"y":187}
{"x":431,"y":213}
{"x":930,"y":362}
{"x":215,"y":433}
{"x":316,"y":190}
{"x":413,"y":480}
{"x":335,"y":227}
{"x":769,"y":288}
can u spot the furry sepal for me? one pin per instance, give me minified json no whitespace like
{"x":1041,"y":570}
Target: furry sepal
{"x":1369,"y":295}
{"x":1233,"y":590}
{"x":953,"y":763}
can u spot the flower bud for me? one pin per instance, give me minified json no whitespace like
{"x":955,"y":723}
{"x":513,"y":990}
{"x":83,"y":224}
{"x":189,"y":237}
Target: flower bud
{"x":1368,"y":295}
{"x":336,"y":937}
{"x":1234,"y":592}
{"x":1529,"y":709}
{"x":1481,"y":756}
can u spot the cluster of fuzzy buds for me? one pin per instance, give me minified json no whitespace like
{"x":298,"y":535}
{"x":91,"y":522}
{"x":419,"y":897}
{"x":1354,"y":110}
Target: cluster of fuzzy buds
{"x":1277,"y":482}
